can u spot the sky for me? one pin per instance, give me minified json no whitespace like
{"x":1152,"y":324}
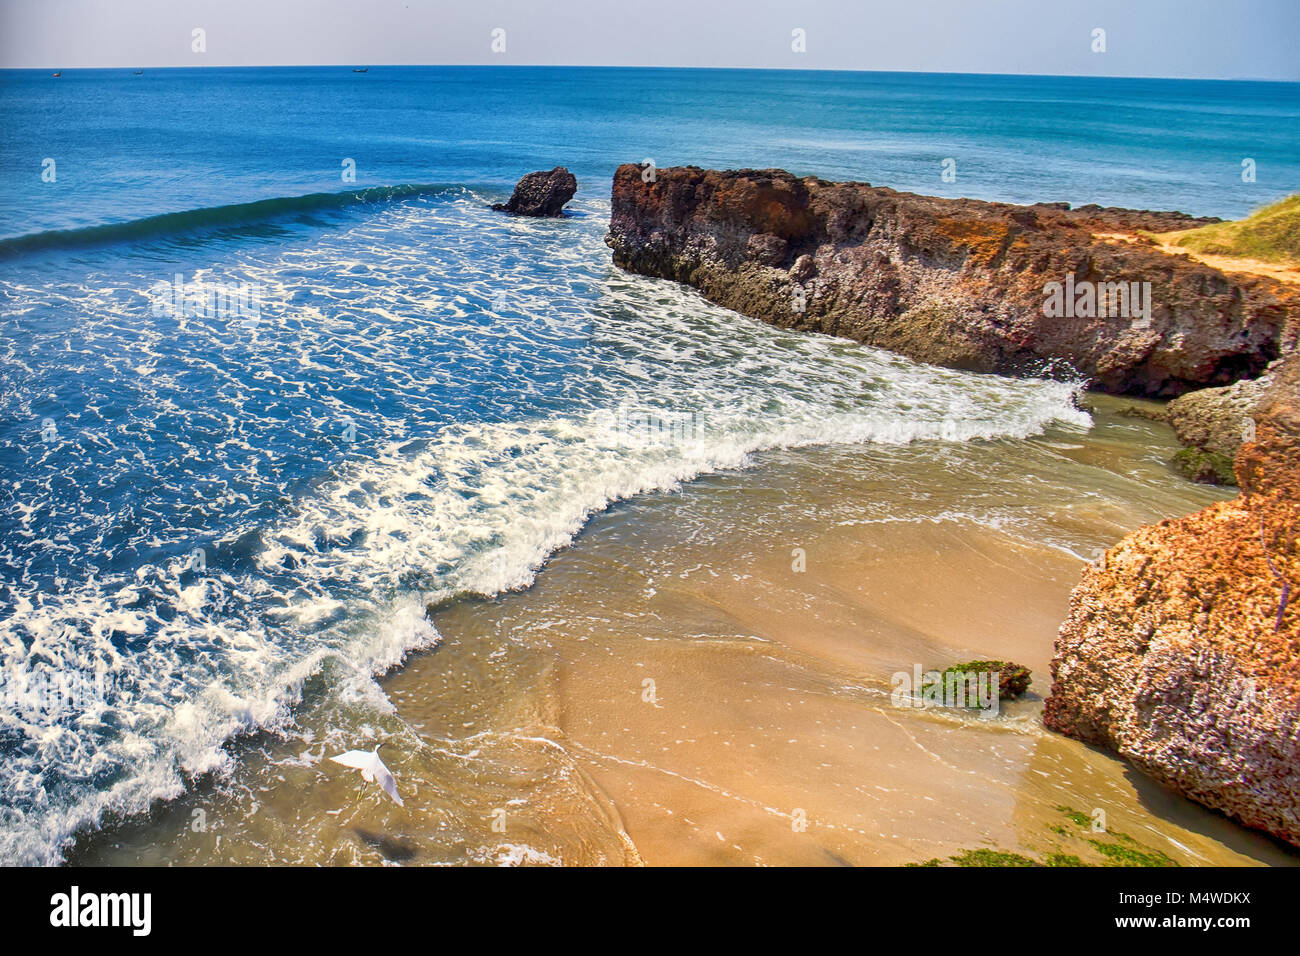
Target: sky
{"x":1220,"y":39}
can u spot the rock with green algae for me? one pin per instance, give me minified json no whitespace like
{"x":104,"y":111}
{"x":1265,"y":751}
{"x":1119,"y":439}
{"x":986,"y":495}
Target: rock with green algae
{"x":1119,"y":854}
{"x":1013,"y":679}
{"x":1207,"y":467}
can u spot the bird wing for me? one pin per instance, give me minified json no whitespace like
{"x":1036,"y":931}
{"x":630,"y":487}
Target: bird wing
{"x":387,"y":781}
{"x":372,"y":769}
{"x":362,"y":760}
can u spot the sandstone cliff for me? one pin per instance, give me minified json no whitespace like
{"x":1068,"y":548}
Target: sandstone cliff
{"x":960,"y":283}
{"x":1182,"y":648}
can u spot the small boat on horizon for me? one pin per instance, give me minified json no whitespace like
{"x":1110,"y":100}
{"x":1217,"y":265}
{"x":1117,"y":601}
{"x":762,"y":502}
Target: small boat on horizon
{"x":364,"y":69}
{"x":138,"y":73}
{"x":58,"y":73}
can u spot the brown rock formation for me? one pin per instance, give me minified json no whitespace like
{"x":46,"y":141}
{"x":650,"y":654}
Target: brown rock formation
{"x":1182,"y":648}
{"x":541,"y":193}
{"x":1214,"y":423}
{"x":1217,"y":419}
{"x":958,"y":282}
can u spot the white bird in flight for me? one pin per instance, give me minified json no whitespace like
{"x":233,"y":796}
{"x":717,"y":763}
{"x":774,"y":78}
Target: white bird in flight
{"x":372,"y":769}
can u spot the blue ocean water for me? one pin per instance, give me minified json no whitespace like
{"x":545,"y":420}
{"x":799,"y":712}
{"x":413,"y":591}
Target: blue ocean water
{"x":256,"y":415}
{"x":128,"y":146}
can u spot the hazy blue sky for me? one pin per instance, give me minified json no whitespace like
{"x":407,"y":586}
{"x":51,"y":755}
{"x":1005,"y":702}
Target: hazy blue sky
{"x":1202,"y":38}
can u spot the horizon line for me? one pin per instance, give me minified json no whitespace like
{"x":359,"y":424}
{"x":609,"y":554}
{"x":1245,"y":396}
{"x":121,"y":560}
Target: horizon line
{"x":625,"y":66}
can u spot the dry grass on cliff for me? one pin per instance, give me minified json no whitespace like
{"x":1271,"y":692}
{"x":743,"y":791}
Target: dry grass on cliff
{"x":1270,"y":234}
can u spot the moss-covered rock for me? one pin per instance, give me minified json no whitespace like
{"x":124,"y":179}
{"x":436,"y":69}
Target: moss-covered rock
{"x":1207,"y":467}
{"x":1219,"y":420}
{"x":982,"y":857}
{"x":1013,"y":679}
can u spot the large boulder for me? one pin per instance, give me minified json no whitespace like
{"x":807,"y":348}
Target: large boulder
{"x":1218,"y":420}
{"x":1182,"y":648}
{"x":955,"y":282}
{"x":1214,"y":423}
{"x":541,"y":193}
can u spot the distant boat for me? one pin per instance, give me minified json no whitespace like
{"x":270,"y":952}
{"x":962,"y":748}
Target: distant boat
{"x":362,"y":70}
{"x":138,"y":73}
{"x":59,"y":73}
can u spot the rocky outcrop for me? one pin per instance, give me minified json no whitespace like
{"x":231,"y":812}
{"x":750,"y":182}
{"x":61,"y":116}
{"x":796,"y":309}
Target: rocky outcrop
{"x":955,"y":282}
{"x":1218,"y":419}
{"x":1213,"y":423}
{"x":1182,"y":648}
{"x":541,"y":194}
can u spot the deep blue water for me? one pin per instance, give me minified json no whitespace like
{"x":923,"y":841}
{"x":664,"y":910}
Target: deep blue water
{"x":395,"y":395}
{"x":130,"y":146}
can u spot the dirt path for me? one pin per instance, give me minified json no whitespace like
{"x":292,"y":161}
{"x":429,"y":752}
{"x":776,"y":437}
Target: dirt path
{"x":1271,"y":270}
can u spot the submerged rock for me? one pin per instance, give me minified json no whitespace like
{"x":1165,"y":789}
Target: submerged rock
{"x":987,"y":287}
{"x":541,"y":193}
{"x":1182,"y":648}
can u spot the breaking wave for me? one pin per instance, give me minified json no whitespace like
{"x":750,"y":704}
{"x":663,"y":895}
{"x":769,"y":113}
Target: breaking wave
{"x":229,"y":220}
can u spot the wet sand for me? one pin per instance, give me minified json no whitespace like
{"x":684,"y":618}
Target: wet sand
{"x":704,"y":678}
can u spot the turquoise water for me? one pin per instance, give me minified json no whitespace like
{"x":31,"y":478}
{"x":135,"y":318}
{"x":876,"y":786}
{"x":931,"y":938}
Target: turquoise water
{"x":254,"y":416}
